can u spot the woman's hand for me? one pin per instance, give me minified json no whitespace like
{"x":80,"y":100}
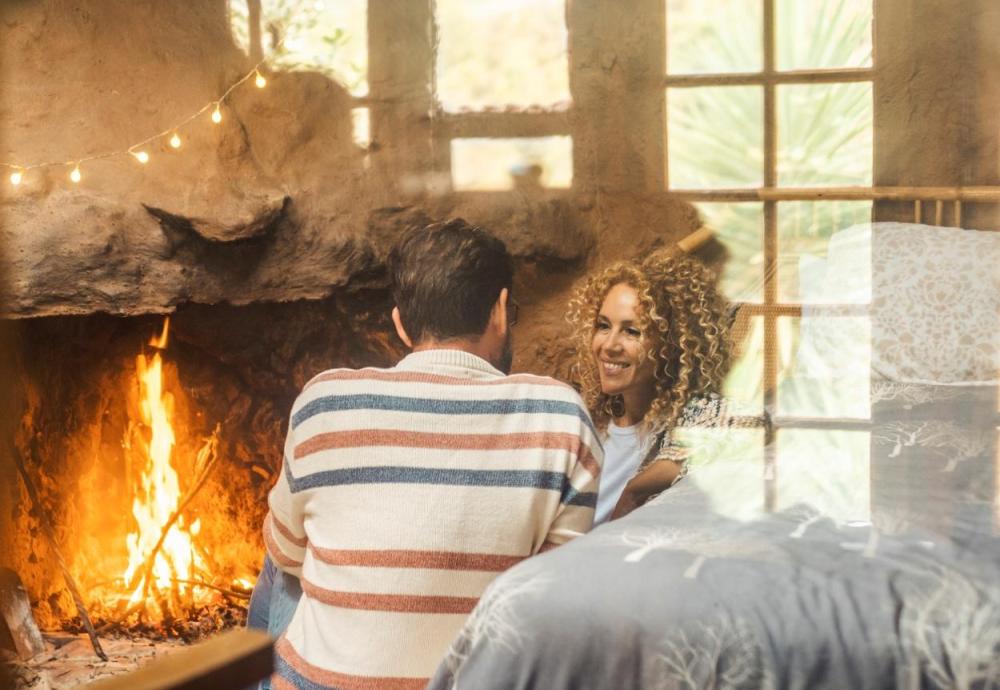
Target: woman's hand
{"x":657,"y":477}
{"x":628,"y":502}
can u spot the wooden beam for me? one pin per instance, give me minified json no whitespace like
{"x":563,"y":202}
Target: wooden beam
{"x":798,"y":309}
{"x":822,"y":423}
{"x":253,"y":24}
{"x":235,"y":659}
{"x":952,"y":194}
{"x":504,"y":124}
{"x":819,"y":76}
{"x":771,"y":348}
{"x":966,"y":194}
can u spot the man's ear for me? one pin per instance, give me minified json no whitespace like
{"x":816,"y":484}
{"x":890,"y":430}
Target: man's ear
{"x":498,"y":316}
{"x":400,"y":331}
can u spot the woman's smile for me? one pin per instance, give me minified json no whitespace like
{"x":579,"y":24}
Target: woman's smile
{"x":614,"y":368}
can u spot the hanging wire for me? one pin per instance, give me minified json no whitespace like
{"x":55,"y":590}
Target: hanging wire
{"x":20,"y":168}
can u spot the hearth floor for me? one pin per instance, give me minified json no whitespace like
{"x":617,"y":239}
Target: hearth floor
{"x":69,"y":660}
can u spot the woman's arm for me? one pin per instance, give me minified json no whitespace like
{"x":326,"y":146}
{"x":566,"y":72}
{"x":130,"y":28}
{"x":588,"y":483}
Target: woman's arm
{"x":658,"y":476}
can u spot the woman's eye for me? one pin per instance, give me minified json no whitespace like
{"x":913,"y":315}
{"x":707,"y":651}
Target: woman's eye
{"x":601,"y":326}
{"x":634,"y":332}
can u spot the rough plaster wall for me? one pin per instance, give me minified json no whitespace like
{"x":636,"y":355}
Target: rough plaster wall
{"x":920,"y":78}
{"x":985,"y":149}
{"x":9,"y":411}
{"x":88,"y":77}
{"x":618,"y":60}
{"x":935,"y":101}
{"x":273,"y":204}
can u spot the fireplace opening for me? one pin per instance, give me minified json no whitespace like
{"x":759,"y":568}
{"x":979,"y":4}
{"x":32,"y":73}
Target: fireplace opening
{"x":153,"y":441}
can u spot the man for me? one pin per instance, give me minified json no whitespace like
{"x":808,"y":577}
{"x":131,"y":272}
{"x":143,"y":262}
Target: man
{"x":406,"y":491}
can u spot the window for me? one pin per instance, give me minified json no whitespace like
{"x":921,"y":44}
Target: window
{"x":328,"y":36}
{"x":502,"y":86}
{"x":518,"y":163}
{"x":510,"y":53}
{"x":769,"y":117}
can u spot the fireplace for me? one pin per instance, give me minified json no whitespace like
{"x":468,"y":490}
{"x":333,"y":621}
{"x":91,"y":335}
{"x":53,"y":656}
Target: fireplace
{"x":153,"y":441}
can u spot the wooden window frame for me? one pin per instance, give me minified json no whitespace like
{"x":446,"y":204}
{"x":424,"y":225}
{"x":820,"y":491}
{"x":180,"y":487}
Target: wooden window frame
{"x":771,"y":194}
{"x":402,"y":69}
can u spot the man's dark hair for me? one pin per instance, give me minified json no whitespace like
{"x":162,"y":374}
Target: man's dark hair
{"x":446,"y":277}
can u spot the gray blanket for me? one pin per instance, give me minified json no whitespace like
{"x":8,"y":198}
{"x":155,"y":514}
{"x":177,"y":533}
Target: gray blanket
{"x":677,"y":596}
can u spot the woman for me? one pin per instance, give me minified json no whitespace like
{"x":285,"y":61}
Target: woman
{"x":652,"y":348}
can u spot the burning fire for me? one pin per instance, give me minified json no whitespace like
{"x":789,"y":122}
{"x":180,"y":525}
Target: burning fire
{"x":164,"y":562}
{"x":174,"y":565}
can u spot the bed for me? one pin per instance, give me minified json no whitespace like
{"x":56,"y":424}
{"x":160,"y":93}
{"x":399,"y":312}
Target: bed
{"x":676,"y":596}
{"x":701,"y":589}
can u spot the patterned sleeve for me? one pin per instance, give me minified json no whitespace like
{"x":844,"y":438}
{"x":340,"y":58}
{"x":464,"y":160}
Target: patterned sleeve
{"x":713,"y":412}
{"x":672,"y":449}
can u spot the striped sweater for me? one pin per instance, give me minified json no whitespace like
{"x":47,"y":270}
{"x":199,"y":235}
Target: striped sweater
{"x":404,"y":493}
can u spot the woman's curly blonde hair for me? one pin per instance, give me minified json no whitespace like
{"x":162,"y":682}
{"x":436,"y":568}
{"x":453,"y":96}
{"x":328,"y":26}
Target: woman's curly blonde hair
{"x":683,"y":322}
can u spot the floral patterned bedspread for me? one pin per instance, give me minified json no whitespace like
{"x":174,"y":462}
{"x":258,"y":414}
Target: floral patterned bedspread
{"x":675,"y":596}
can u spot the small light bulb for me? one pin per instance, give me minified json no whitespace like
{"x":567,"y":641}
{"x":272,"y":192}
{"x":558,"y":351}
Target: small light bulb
{"x":75,"y":176}
{"x":216,"y":114}
{"x":16,"y":177}
{"x":260,"y":81}
{"x":175,"y":141}
{"x":141,"y":156}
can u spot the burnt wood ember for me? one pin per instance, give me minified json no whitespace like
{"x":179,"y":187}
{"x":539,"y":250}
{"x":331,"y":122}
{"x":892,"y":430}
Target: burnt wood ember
{"x":193,"y":625}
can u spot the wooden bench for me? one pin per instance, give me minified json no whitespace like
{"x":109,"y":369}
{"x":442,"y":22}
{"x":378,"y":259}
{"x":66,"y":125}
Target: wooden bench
{"x":235,"y":659}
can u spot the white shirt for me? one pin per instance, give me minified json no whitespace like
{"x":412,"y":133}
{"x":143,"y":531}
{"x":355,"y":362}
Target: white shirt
{"x":622,"y":455}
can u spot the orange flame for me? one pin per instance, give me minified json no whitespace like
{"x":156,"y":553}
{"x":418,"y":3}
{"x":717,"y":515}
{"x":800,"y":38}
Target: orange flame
{"x":161,"y":342}
{"x":160,"y":493}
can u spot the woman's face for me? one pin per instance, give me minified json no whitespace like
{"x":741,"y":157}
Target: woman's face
{"x":624,"y":362}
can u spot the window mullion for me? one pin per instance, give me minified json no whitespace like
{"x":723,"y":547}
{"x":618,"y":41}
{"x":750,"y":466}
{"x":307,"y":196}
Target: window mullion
{"x":770,"y":257}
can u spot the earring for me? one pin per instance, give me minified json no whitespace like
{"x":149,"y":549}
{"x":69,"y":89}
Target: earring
{"x":617,"y":406}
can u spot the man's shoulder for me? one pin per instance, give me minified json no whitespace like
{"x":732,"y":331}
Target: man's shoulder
{"x":545,"y":386}
{"x":343,"y":374}
{"x":529,"y":385}
{"x":327,"y":387}
{"x":396,"y":389}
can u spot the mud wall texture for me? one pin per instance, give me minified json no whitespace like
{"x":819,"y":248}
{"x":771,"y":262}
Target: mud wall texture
{"x":935,"y":100}
{"x":276,"y":202}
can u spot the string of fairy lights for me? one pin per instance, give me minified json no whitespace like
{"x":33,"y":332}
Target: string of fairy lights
{"x":140,"y":149}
